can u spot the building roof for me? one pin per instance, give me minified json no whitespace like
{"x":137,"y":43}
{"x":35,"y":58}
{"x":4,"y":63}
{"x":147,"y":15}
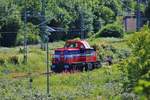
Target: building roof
{"x":50,"y":29}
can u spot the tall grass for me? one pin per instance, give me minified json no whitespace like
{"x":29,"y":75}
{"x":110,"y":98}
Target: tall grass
{"x":11,"y":59}
{"x":100,"y":84}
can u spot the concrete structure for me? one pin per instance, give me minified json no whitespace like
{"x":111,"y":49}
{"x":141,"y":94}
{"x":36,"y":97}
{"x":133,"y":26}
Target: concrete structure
{"x":130,"y":23}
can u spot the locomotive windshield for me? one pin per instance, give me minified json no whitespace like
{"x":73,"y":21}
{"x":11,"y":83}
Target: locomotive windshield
{"x":71,"y":45}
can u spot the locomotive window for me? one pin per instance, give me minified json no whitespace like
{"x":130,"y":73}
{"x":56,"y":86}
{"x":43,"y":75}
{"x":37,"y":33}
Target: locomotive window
{"x":89,"y":51}
{"x":82,"y":51}
{"x":58,"y":52}
{"x":67,"y":45}
{"x":82,"y":46}
{"x":71,"y":45}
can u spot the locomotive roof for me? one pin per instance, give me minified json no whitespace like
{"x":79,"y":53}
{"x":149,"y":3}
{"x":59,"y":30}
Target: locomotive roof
{"x":85,"y":43}
{"x":81,"y":42}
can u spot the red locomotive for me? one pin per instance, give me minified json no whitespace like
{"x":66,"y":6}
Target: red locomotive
{"x":76,"y":55}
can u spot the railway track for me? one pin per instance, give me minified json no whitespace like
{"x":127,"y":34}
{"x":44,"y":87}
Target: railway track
{"x":36,"y":74}
{"x":26,"y":75}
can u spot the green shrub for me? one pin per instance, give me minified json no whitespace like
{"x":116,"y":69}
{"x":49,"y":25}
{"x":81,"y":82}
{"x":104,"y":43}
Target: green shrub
{"x":111,"y":30}
{"x":104,"y":50}
{"x":33,"y":39}
{"x":147,"y":10}
{"x":14,"y":60}
{"x":2,"y":61}
{"x":137,"y":66}
{"x":32,"y":35}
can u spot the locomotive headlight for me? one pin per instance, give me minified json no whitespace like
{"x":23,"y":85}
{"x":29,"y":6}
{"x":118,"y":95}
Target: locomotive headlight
{"x":56,"y":56}
{"x":66,"y":66}
{"x":53,"y":66}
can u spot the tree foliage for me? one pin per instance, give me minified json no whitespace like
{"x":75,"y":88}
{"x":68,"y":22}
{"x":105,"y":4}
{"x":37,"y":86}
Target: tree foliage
{"x":147,"y":10}
{"x":137,"y":67}
{"x":111,"y":30}
{"x":9,"y":22}
{"x":61,"y":13}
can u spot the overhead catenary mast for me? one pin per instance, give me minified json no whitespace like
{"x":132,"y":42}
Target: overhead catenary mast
{"x":82,"y":24}
{"x":138,"y":16}
{"x":81,"y":21}
{"x":45,"y":40}
{"x":25,"y":35}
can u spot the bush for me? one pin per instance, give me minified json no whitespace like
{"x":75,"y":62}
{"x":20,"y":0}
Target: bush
{"x":137,"y":67}
{"x":32,"y":35}
{"x":147,"y":10}
{"x":14,"y":60}
{"x":111,"y":30}
{"x":3,"y":58}
{"x":2,"y":61}
{"x":9,"y":39}
{"x":106,"y":50}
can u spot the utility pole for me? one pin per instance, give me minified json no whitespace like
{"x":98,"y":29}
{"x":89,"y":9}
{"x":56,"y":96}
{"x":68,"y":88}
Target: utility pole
{"x":82,"y":33}
{"x":82,"y":27}
{"x":45,"y":39}
{"x":47,"y":61}
{"x":25,"y":35}
{"x":138,"y":16}
{"x":25,"y":45}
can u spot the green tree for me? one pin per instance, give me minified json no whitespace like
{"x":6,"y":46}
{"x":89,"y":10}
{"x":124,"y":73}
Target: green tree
{"x":32,"y":34}
{"x":9,"y":22}
{"x":147,"y":10}
{"x":61,"y":13}
{"x":111,"y":30}
{"x":137,"y":67}
{"x":32,"y":8}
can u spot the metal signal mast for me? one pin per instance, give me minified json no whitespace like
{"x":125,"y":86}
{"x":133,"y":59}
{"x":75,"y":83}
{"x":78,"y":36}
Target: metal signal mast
{"x":45,"y":40}
{"x":82,"y":31}
{"x":25,"y":35}
{"x":138,"y":15}
{"x":82,"y":26}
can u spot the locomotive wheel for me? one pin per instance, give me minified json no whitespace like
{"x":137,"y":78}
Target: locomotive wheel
{"x":89,"y":66}
{"x":57,"y":68}
{"x":98,"y":64}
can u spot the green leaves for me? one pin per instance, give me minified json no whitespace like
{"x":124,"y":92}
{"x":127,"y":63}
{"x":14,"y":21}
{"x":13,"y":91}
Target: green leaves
{"x":32,"y":34}
{"x":138,"y":65}
{"x":8,"y":12}
{"x":111,"y":30}
{"x":147,"y":10}
{"x":61,"y":13}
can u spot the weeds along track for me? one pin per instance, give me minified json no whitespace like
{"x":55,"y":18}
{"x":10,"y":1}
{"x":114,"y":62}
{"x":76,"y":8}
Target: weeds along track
{"x":37,"y":74}
{"x":26,"y":75}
